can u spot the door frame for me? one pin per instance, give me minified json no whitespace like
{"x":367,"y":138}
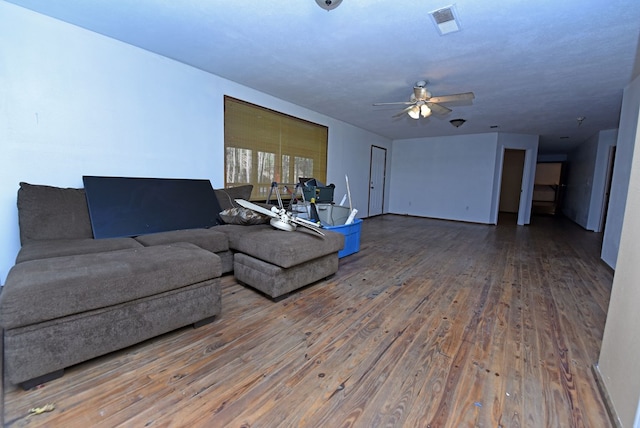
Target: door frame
{"x":528,"y":175}
{"x":607,"y":188}
{"x":384,"y":178}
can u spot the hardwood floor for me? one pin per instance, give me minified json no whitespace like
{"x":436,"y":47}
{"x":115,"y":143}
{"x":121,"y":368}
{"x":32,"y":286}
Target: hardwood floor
{"x":432,"y":324}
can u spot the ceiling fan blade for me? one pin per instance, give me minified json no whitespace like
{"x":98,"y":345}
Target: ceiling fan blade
{"x":437,"y":108}
{"x":256,"y":208}
{"x":308,"y":224}
{"x":403,"y":111}
{"x":453,"y":97}
{"x":388,"y":104}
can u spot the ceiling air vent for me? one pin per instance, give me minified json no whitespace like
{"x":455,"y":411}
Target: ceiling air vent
{"x":445,"y":20}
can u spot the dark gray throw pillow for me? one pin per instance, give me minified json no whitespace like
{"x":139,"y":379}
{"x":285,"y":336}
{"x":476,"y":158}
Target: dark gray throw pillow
{"x":46,"y":212}
{"x":226,"y":197}
{"x":243,"y":216}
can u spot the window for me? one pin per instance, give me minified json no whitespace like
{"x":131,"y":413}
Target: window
{"x":263,"y":146}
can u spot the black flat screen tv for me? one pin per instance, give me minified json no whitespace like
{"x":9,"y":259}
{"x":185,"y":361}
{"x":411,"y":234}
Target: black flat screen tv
{"x":128,"y":206}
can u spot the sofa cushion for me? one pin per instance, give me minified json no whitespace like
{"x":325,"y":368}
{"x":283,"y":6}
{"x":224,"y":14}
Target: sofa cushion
{"x":47,"y":212}
{"x":209,"y":239}
{"x":235,"y":231}
{"x":227,"y":196}
{"x":46,"y":289}
{"x":45,"y":249}
{"x":287,"y":249}
{"x":36,"y":350}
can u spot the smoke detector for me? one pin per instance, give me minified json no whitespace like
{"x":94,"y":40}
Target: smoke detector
{"x":328,"y":4}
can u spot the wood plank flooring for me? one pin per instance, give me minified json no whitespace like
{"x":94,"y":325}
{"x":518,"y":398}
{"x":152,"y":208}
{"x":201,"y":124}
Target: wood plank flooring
{"x":432,"y":324}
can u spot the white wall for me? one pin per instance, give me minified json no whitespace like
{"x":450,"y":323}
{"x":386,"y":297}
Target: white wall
{"x":620,"y":352}
{"x":586,"y":179}
{"x":458,"y":177}
{"x":627,"y":132}
{"x":581,"y":164}
{"x":444,"y":177}
{"x":580,"y":168}
{"x":75,"y":103}
{"x":349,"y":154}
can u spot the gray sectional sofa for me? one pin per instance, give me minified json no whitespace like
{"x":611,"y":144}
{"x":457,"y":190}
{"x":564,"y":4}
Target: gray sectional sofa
{"x":70,"y":297}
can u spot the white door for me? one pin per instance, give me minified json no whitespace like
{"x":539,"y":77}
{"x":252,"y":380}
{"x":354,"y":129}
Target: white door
{"x":377,"y":170}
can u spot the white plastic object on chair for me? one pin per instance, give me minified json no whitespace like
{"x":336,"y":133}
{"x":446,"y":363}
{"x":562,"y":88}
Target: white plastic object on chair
{"x":352,"y":216}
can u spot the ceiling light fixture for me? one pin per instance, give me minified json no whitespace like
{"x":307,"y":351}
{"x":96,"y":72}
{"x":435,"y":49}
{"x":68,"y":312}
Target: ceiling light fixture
{"x":414,"y":112}
{"x":420,"y":91}
{"x":420,"y":109}
{"x":457,"y":122}
{"x":425,"y":111}
{"x":328,"y":4}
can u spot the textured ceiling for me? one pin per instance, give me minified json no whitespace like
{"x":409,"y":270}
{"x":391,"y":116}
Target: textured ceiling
{"x":534,"y":66}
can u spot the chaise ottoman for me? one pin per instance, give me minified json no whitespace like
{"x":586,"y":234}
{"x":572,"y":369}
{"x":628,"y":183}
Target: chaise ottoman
{"x":60,"y":311}
{"x":277,"y":262}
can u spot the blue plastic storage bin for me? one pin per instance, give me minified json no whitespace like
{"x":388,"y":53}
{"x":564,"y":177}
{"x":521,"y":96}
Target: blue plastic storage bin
{"x":351,"y":234}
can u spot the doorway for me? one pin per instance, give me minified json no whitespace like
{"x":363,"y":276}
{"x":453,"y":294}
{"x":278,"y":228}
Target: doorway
{"x":548,"y":188}
{"x":377,"y":173}
{"x":511,"y":184}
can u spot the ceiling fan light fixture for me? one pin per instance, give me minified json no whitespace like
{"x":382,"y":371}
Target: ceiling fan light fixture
{"x":457,"y":122}
{"x":423,"y":104}
{"x":414,"y":112}
{"x":421,"y":93}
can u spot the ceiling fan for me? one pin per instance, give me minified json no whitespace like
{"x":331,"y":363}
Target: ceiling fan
{"x":423,"y":104}
{"x":281,"y":218}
